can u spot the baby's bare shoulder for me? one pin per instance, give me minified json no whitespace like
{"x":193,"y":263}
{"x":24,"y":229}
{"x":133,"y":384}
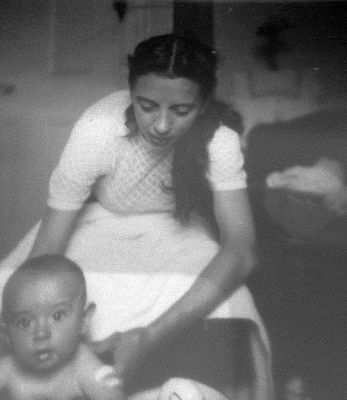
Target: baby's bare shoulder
{"x":7,"y":367}
{"x":7,"y":376}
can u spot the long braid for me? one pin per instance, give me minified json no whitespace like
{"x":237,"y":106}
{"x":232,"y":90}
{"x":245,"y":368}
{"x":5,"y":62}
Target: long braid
{"x":176,"y":56}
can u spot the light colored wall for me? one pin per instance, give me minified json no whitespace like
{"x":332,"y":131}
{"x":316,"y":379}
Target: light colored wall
{"x":36,"y":119}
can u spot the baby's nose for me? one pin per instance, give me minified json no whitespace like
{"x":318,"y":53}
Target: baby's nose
{"x":42,"y":330}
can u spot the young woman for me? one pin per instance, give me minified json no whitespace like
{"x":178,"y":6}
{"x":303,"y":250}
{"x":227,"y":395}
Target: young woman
{"x":170,"y":238}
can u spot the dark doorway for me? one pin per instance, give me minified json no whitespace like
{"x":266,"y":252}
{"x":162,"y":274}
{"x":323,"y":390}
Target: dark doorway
{"x":195,"y":17}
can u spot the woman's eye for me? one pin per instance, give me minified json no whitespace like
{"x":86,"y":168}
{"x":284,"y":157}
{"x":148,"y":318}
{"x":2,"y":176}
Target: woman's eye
{"x":182,"y":111}
{"x":59,"y":315}
{"x":23,"y":323}
{"x":147,"y":107}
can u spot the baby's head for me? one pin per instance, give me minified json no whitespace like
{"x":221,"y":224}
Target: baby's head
{"x":45,"y":314}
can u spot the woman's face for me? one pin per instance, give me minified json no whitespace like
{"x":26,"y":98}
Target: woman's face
{"x":165,"y":108}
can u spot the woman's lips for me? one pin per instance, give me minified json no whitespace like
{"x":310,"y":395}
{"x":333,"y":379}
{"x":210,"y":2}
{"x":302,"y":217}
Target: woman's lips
{"x":158,"y":141}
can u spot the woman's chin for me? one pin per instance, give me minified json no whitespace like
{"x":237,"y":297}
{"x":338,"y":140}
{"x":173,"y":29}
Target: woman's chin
{"x":158,"y":145}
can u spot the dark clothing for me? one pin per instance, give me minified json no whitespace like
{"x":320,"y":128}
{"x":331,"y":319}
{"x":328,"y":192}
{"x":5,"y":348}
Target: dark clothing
{"x":301,"y":285}
{"x":215,"y":352}
{"x":303,"y":141}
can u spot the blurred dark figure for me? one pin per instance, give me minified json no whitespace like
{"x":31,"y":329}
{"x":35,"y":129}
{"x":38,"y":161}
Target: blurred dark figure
{"x":301,"y":285}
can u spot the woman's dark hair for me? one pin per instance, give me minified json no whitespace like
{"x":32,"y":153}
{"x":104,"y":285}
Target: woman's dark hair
{"x":177,"y":56}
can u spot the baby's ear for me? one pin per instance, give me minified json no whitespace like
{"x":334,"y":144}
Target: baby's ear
{"x":204,"y":106}
{"x":4,"y":341}
{"x":88,"y":314}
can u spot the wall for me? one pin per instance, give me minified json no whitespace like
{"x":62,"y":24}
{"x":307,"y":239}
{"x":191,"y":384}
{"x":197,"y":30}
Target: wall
{"x":55,"y":74}
{"x":312,"y":74}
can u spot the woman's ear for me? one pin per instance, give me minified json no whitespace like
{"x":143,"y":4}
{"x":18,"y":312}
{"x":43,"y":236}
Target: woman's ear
{"x":205,"y":104}
{"x":3,"y":330}
{"x":88,"y":314}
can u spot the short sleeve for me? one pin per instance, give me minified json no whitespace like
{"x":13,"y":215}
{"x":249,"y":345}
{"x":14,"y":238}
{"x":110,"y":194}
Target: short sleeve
{"x":89,"y":153}
{"x":226,"y":169}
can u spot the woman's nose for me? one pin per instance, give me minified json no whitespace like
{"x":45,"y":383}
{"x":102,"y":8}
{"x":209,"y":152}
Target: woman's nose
{"x":42,"y":330}
{"x":162,"y":123}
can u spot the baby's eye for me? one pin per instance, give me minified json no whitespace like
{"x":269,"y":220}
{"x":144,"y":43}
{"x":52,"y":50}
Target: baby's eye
{"x":59,"y":315}
{"x":23,"y":323}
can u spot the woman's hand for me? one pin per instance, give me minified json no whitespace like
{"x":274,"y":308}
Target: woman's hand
{"x":128,"y":349}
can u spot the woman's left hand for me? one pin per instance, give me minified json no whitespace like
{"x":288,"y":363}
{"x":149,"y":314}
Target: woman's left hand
{"x":128,"y":349}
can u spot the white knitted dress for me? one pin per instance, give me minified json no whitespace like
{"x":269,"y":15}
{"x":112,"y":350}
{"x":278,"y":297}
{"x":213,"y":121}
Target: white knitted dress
{"x":130,"y":175}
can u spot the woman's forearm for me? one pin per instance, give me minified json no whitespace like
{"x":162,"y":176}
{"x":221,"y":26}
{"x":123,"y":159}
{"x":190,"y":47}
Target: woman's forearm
{"x":222,"y":276}
{"x":54,"y":233}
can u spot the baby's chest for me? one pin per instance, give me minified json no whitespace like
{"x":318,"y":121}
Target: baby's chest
{"x":63,"y":387}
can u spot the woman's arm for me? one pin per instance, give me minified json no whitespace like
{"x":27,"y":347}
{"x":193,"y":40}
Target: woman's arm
{"x":225,"y":272}
{"x":54,"y":232}
{"x":220,"y":278}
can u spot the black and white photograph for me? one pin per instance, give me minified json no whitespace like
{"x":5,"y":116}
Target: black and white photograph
{"x":173,"y":200}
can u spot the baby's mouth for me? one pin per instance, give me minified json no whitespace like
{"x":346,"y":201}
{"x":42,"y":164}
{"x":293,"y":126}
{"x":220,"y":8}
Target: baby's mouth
{"x":44,"y":355}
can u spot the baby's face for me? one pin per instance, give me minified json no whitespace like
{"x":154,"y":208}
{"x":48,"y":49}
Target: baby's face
{"x":46,"y":322}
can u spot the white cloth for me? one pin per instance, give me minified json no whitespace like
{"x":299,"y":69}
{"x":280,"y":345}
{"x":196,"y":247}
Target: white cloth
{"x":187,"y":389}
{"x":137,"y":266}
{"x":130,"y":175}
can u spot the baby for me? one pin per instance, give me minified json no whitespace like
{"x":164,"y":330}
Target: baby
{"x":45,"y":316}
